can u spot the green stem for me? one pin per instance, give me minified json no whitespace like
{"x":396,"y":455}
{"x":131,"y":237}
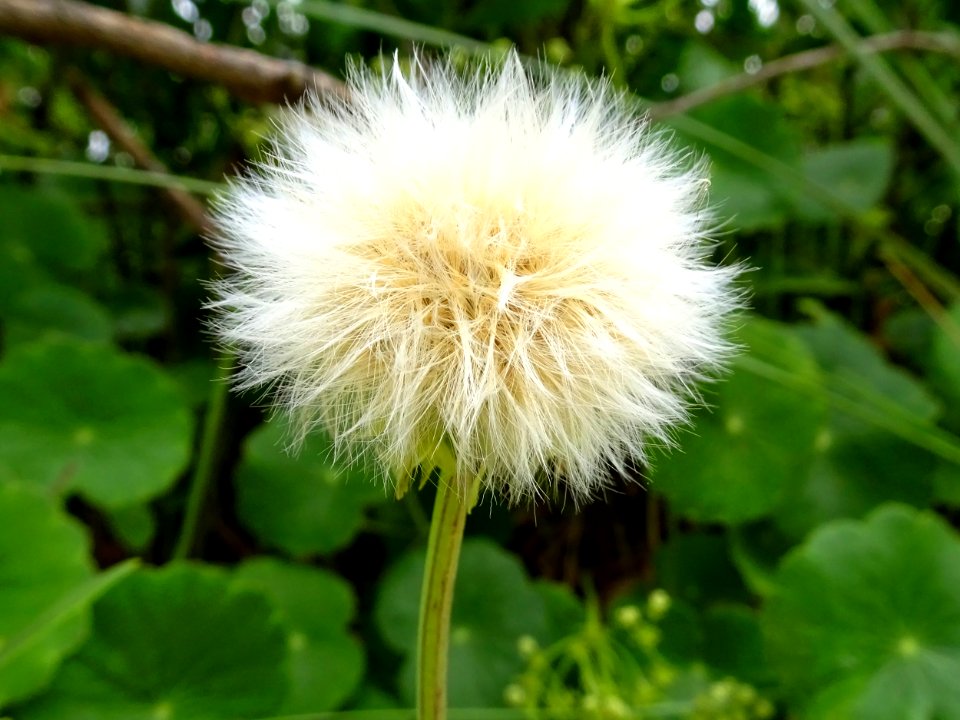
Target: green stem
{"x":92,"y":171}
{"x":889,"y":82}
{"x":436,"y":598}
{"x":876,"y":21}
{"x":206,"y":460}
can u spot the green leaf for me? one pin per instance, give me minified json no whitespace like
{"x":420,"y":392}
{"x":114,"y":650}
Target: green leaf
{"x":866,"y":619}
{"x":50,"y":228}
{"x":54,"y":309}
{"x":133,"y":525}
{"x":37,"y":642}
{"x":737,"y":189}
{"x":946,"y":484}
{"x":857,"y":172}
{"x":755,"y":443}
{"x":743,"y":198}
{"x":177,"y":643}
{"x":852,"y":364}
{"x":701,"y":66}
{"x":762,"y":125}
{"x":374,"y":699}
{"x":508,"y":13}
{"x":43,"y":558}
{"x":696,"y":567}
{"x":756,"y":549}
{"x":945,"y":360}
{"x":87,"y":418}
{"x":733,"y":643}
{"x":859,"y":466}
{"x":301,"y":504}
{"x":563,"y":611}
{"x":140,"y":312}
{"x":494,"y":605}
{"x":314,"y":607}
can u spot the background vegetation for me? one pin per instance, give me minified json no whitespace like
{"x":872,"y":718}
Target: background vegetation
{"x":161,"y":556}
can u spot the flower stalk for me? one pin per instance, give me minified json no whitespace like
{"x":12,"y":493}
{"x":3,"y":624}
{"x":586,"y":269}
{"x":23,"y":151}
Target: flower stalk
{"x":450,"y":510}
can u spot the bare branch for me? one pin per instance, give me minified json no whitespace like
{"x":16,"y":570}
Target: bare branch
{"x":248,"y":74}
{"x":900,"y":40}
{"x":107,"y":117}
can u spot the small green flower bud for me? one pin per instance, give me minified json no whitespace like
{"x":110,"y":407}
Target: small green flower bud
{"x":647,"y":637}
{"x":763,"y":709}
{"x":745,"y":694}
{"x":722,"y":692}
{"x":615,"y":708}
{"x":662,"y":675}
{"x":627,"y":616}
{"x":514,"y":695}
{"x":590,"y":703}
{"x":527,"y":646}
{"x":658,"y":604}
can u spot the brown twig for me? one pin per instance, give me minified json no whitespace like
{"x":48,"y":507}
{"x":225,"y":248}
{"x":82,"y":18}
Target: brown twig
{"x":248,"y":74}
{"x":941,"y":42}
{"x":922,"y":295}
{"x":109,"y":120}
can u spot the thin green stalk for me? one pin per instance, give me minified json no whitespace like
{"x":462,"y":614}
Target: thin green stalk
{"x":878,"y":411}
{"x":889,"y":82}
{"x":436,"y":598}
{"x":386,"y":24}
{"x":873,"y":17}
{"x":91,"y":171}
{"x":206,"y":460}
{"x":795,"y":181}
{"x":50,"y":618}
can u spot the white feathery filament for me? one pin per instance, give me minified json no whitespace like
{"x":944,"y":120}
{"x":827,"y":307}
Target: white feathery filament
{"x":513,"y":264}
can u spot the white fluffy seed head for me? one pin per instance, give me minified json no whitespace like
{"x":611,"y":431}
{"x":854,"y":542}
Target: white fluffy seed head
{"x":513,"y":265}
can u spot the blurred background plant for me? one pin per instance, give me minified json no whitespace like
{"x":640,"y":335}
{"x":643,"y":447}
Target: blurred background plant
{"x":797,"y":557}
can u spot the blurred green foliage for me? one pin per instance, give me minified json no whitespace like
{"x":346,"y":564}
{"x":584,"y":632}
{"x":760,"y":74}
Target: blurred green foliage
{"x":805,"y":530}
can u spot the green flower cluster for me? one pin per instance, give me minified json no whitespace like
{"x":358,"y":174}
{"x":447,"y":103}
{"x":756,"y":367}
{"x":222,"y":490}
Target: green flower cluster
{"x":616,"y":671}
{"x":729,"y":699}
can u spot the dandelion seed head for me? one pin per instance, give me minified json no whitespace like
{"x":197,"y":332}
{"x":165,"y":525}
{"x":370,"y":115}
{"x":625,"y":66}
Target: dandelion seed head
{"x":512,"y":264}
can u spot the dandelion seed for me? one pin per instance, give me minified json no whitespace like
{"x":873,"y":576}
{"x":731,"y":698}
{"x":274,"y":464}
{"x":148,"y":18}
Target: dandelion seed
{"x":512,"y":264}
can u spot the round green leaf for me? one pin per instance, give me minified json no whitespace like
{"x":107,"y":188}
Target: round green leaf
{"x":700,"y":66}
{"x":370,"y":697}
{"x":946,"y":484}
{"x":854,"y":470}
{"x":737,"y":188}
{"x":563,"y":613}
{"x":313,"y":606}
{"x":733,"y":643}
{"x":852,"y":364}
{"x":50,"y":228}
{"x":857,"y":465}
{"x":54,"y":309}
{"x":302,"y":504}
{"x":865,"y":622}
{"x":134,"y":526}
{"x":178,"y":644}
{"x":757,"y":440}
{"x":696,"y":567}
{"x":756,"y":550}
{"x":86,"y":418}
{"x":857,"y":172}
{"x":494,"y":604}
{"x":43,"y":556}
{"x":758,"y":123}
